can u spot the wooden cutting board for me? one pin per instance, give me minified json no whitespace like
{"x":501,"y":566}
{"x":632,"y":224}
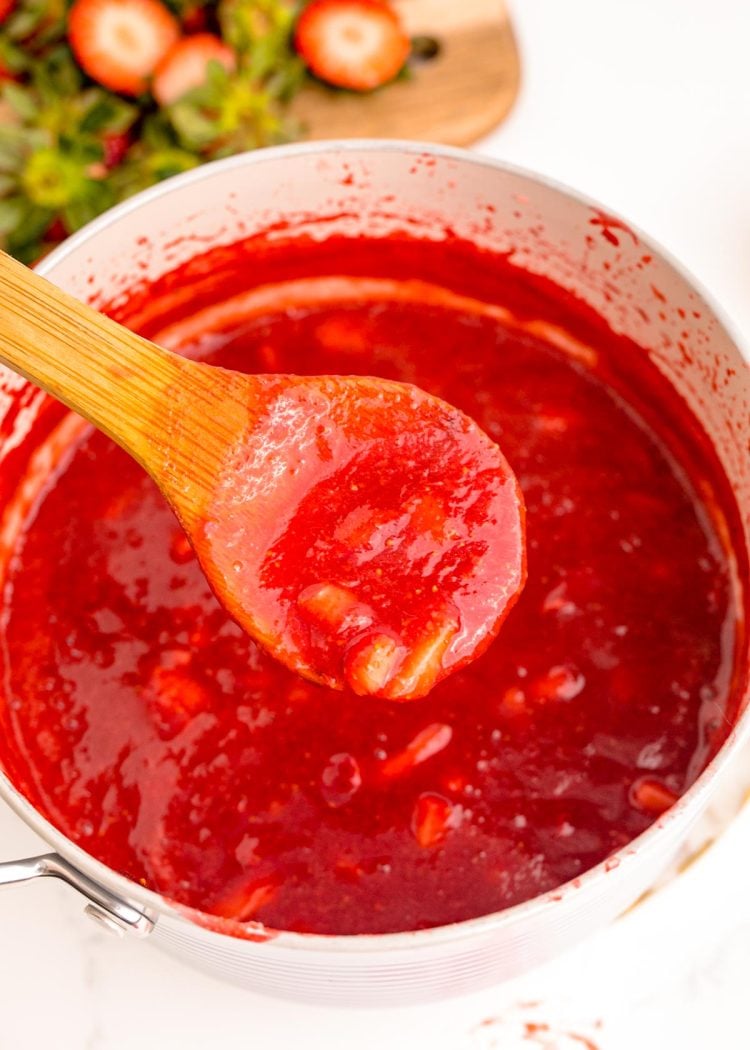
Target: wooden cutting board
{"x":462,"y":93}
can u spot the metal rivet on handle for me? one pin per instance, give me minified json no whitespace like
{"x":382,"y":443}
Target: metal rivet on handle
{"x":106,"y":921}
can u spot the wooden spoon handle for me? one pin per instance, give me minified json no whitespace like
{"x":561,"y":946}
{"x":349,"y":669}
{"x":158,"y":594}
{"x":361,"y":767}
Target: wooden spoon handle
{"x":112,"y":377}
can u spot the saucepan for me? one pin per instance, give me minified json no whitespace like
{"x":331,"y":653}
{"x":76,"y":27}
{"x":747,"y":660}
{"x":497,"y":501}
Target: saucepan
{"x":376,"y":187}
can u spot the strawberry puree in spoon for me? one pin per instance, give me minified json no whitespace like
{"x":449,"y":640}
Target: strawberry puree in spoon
{"x":368,"y":533}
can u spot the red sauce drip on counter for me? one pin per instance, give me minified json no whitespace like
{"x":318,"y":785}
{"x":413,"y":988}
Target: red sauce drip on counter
{"x":146,"y":726}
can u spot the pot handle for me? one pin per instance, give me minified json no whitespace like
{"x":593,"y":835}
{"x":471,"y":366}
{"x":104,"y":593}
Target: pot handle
{"x":112,"y":913}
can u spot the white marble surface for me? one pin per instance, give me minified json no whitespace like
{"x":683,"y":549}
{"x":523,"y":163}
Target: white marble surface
{"x":645,"y":105}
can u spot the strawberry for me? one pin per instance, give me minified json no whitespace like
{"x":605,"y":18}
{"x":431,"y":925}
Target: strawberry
{"x":341,"y":780}
{"x":432,"y":819}
{"x":328,"y":603}
{"x":513,"y":701}
{"x":652,"y":796}
{"x":561,"y":682}
{"x":244,"y":898}
{"x":119,"y":43}
{"x":354,"y":44}
{"x":6,"y":8}
{"x":116,"y":144}
{"x":172,"y":694}
{"x":421,"y":669}
{"x":185,"y":66}
{"x":428,"y":742}
{"x":371,"y":663}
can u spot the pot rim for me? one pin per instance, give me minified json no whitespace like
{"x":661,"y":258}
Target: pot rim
{"x":484,"y":924}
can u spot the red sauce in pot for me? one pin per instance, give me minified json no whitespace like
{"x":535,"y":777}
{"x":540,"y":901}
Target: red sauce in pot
{"x":146,"y":726}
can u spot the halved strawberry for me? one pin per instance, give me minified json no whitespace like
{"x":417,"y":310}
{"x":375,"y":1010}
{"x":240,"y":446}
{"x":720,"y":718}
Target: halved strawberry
{"x":185,"y":66}
{"x":355,"y":44}
{"x":120,"y":42}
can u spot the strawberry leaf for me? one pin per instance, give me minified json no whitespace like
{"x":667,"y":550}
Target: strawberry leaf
{"x":12,"y":148}
{"x":79,"y":212}
{"x":12,"y":211}
{"x":106,"y":112}
{"x":12,"y":58}
{"x":36,"y":23}
{"x":21,"y":102}
{"x":30,"y":223}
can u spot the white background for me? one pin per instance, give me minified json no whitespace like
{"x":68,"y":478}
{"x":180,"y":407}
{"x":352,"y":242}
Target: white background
{"x":644,"y":104}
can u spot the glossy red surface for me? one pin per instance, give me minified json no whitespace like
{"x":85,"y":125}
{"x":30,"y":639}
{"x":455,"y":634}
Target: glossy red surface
{"x":153,"y":732}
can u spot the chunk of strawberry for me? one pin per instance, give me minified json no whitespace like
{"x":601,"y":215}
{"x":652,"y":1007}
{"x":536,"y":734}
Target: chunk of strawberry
{"x":173,"y":694}
{"x":341,"y":780}
{"x":513,"y":701}
{"x":561,"y":682}
{"x":420,"y":670}
{"x":432,"y":819}
{"x":430,"y":741}
{"x":354,"y":44}
{"x":652,"y":796}
{"x":119,"y":43}
{"x":186,"y":66}
{"x":329,"y":604}
{"x":371,"y":663}
{"x":244,"y":899}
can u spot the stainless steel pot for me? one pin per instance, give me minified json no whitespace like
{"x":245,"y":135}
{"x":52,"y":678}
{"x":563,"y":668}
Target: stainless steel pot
{"x":375,"y":187}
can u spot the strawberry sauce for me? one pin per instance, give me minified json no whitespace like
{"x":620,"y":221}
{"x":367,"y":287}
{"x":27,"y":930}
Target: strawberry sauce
{"x":152,"y":731}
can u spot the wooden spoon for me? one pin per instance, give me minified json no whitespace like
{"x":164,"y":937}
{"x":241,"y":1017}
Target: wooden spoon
{"x":361,"y":530}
